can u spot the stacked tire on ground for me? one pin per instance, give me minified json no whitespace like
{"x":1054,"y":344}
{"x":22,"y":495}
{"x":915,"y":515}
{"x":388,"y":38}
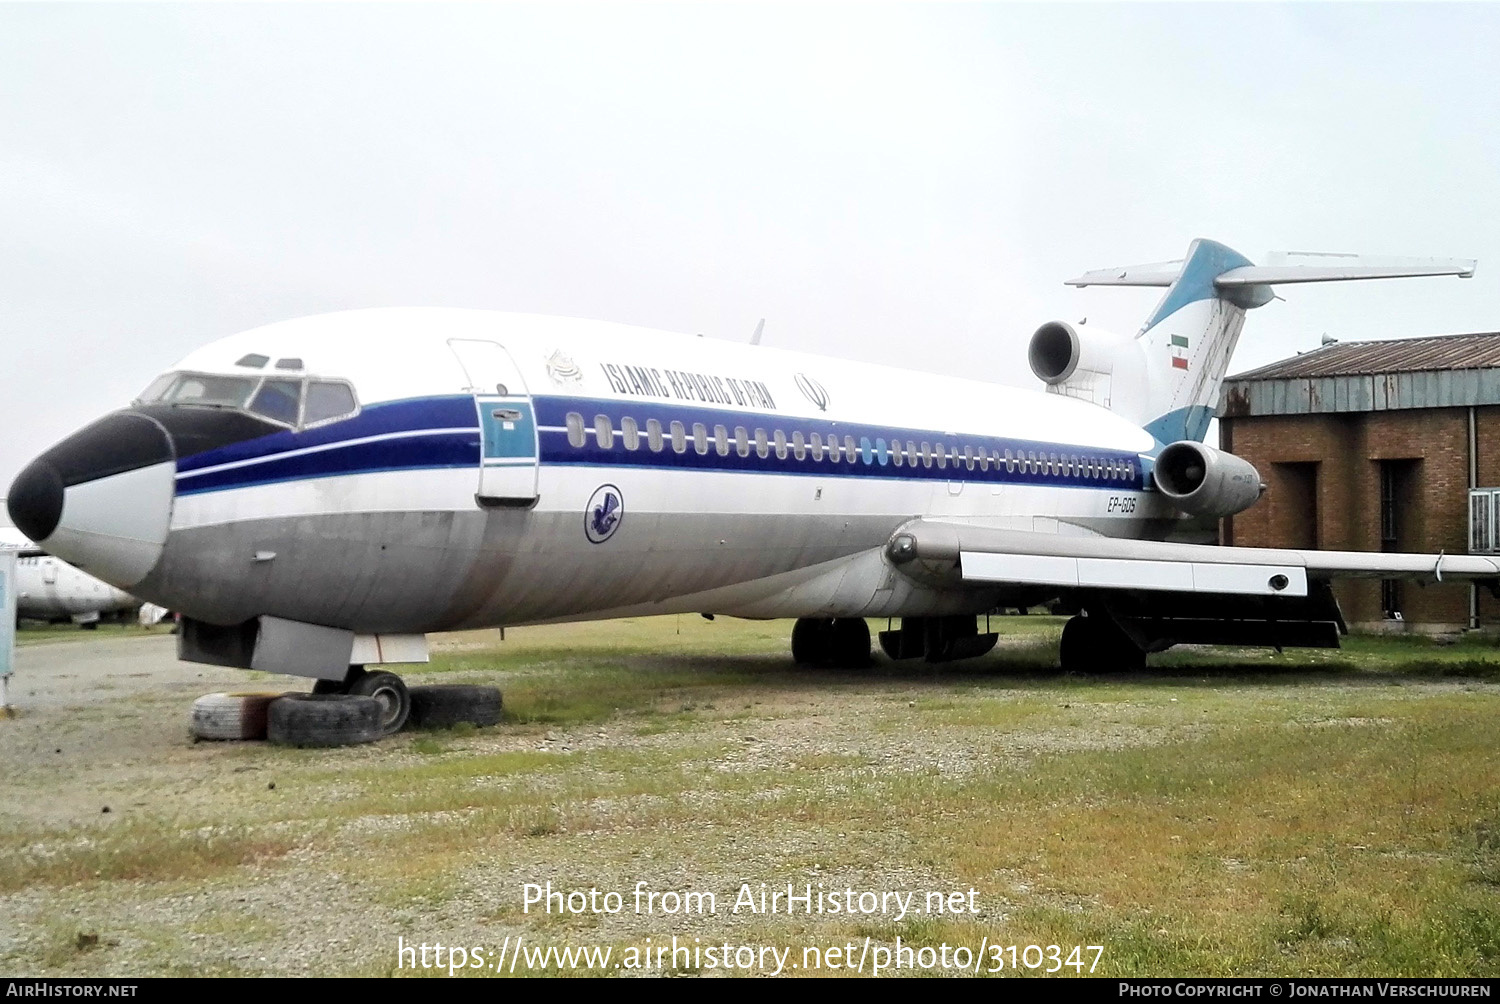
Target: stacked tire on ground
{"x":238,"y":715}
{"x":322,"y":718}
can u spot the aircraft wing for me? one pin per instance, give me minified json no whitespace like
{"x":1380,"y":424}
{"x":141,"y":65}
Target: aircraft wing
{"x":990,"y":555}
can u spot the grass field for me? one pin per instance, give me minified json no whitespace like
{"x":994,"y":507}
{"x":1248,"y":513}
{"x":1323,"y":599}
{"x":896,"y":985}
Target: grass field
{"x":1228,"y":813}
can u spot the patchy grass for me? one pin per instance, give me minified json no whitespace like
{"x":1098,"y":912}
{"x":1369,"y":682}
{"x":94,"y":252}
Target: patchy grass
{"x":137,"y":850}
{"x":1233,"y":814}
{"x":39,"y":633}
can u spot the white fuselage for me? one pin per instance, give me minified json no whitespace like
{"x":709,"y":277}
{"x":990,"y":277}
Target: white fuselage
{"x":506,"y":469}
{"x":49,"y":589}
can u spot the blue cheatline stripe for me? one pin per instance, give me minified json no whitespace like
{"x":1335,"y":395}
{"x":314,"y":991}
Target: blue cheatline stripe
{"x":404,"y":454}
{"x":448,"y":412}
{"x":443,"y":433}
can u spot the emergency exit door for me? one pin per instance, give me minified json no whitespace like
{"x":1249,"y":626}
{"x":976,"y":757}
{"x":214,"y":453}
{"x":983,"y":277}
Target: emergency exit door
{"x":507,"y":424}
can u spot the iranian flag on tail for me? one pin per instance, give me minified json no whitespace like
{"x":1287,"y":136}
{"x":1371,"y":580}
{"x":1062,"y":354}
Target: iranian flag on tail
{"x":1179,"y":352}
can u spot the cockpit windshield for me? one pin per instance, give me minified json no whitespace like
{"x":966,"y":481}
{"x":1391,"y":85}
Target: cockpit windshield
{"x":294,"y":402}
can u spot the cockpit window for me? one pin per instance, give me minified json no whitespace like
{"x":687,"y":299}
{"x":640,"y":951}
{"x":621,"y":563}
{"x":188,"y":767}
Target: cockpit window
{"x":254,"y":361}
{"x":207,"y":389}
{"x":285,"y":400}
{"x":158,"y":390}
{"x":278,"y":400}
{"x":327,"y":400}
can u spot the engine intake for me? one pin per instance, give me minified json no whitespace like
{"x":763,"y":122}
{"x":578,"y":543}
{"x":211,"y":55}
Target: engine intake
{"x":1203,"y":481}
{"x":1054,"y":351}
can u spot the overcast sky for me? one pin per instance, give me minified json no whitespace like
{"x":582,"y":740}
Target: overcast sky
{"x":900,"y":183}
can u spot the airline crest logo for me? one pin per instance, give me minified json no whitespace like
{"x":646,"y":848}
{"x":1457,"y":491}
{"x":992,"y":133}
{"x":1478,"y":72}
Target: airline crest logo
{"x":1179,"y":352}
{"x":813,"y":391}
{"x":604,"y":514}
{"x":563,"y":370}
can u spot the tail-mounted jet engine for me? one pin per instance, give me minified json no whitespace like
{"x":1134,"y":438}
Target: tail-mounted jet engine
{"x":1088,"y":363}
{"x":1203,"y":481}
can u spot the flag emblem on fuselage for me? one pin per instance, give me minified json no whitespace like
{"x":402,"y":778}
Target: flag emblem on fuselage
{"x":1179,"y":352}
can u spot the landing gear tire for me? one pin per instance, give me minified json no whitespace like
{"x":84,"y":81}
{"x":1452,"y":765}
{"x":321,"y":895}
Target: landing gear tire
{"x":810,"y":640}
{"x":1097,"y":645}
{"x":850,"y":644}
{"x":389,"y":690}
{"x":831,"y":643}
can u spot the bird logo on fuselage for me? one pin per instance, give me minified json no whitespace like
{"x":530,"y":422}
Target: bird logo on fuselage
{"x":812,"y":390}
{"x":605,"y":510}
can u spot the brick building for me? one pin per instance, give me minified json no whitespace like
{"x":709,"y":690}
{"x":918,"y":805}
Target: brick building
{"x":1369,"y":446}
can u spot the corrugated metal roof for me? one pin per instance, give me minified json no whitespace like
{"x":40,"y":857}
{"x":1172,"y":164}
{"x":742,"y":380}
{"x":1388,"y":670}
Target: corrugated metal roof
{"x":1405,"y":355}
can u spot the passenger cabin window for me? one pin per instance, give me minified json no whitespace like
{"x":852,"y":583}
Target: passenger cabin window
{"x":575,"y":429}
{"x":817,"y":446}
{"x":762,"y":447}
{"x":631,"y":433}
{"x":799,"y":448}
{"x":741,"y":441}
{"x":780,"y":439}
{"x":942,"y":456}
{"x":849,"y":449}
{"x":679,"y":438}
{"x":721,"y":440}
{"x":653,"y":435}
{"x":604,"y":432}
{"x":700,"y":438}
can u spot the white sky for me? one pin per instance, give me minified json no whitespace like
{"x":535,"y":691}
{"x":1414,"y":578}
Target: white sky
{"x":900,"y":183}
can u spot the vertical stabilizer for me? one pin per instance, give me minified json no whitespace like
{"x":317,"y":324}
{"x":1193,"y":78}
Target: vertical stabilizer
{"x":1186,"y":343}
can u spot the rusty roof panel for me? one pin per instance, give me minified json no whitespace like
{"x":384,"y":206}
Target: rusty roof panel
{"x":1405,"y":355}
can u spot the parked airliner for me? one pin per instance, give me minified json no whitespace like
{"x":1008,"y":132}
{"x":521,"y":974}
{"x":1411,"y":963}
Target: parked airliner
{"x":316,"y":495}
{"x":48,"y":589}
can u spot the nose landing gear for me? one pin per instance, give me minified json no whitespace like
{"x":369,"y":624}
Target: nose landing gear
{"x":387,"y":688}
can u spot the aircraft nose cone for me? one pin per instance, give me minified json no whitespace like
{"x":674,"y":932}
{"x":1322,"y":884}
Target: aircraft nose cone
{"x":36,"y":500}
{"x":102,"y":498}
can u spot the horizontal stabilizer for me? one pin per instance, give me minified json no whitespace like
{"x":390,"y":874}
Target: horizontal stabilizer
{"x":1286,"y":267}
{"x":1338,"y":268}
{"x":1161,"y":273}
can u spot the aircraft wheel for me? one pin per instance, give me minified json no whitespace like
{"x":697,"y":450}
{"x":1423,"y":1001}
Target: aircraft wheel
{"x":391,"y":692}
{"x":849,"y":646}
{"x":323,"y":720}
{"x":1078,"y":651}
{"x":1096,"y":644}
{"x":810,"y":640}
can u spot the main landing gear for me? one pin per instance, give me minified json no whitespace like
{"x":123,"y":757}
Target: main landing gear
{"x":831,"y":642}
{"x":387,"y":688}
{"x":1095,"y":644}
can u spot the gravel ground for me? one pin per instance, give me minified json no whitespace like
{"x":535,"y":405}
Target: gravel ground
{"x":102,"y":722}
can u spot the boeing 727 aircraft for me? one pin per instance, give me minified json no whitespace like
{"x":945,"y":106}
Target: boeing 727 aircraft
{"x":316,"y":495}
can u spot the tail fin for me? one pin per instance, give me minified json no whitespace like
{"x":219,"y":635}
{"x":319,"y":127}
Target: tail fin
{"x":1190,"y":336}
